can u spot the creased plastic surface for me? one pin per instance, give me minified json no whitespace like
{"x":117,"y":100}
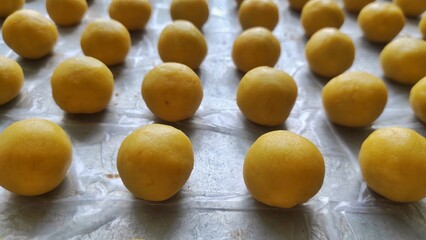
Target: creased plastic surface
{"x":92,"y":203}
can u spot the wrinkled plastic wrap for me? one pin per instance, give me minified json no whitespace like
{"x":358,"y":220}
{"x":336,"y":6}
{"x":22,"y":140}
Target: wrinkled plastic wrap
{"x":92,"y":202}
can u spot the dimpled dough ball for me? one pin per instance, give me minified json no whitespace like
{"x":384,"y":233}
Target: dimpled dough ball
{"x":330,"y":52}
{"x":356,"y":5}
{"x":266,"y":95}
{"x":66,"y":12}
{"x":418,"y":99}
{"x":318,"y":14}
{"x":422,"y":27}
{"x":411,"y":8}
{"x":82,"y":85}
{"x":283,"y":169}
{"x":404,"y":60}
{"x":297,"y":4}
{"x":29,"y":34}
{"x":354,"y":99}
{"x":133,"y":14}
{"x":11,"y":79}
{"x":393,"y":163}
{"x":172,"y":91}
{"x":35,"y":155}
{"x":381,"y":21}
{"x":106,"y":40}
{"x":182,"y":42}
{"x":8,"y":7}
{"x":255,"y":47}
{"x":195,"y":11}
{"x":155,"y":161}
{"x":258,"y":13}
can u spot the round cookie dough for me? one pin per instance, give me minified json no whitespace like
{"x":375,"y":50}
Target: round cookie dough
{"x":381,"y":21}
{"x":29,"y":34}
{"x":418,"y":99}
{"x":283,"y":169}
{"x":411,"y":8}
{"x":255,"y":47}
{"x":318,"y":14}
{"x":106,"y":40}
{"x":330,"y":52}
{"x":82,"y":85}
{"x":297,"y":4}
{"x":393,"y":163}
{"x":35,"y":155}
{"x":8,"y":7}
{"x":266,"y":96}
{"x":66,"y":12}
{"x":133,"y":14}
{"x":355,"y":6}
{"x":182,"y":42}
{"x":258,"y":13}
{"x":195,"y":11}
{"x":11,"y":79}
{"x":155,"y":161}
{"x":422,"y":27}
{"x":404,"y":60}
{"x":172,"y":91}
{"x":354,"y":99}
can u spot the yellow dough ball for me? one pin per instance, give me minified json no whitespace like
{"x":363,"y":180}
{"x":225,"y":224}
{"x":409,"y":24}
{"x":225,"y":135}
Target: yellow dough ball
{"x":381,"y":21}
{"x":82,"y":85}
{"x":297,"y":4}
{"x":283,"y":169}
{"x":8,"y":7}
{"x":194,"y":11}
{"x":356,"y":5}
{"x":29,"y":34}
{"x":133,"y":14}
{"x":404,"y":60}
{"x":258,"y":13}
{"x":172,"y":91}
{"x":354,"y":99}
{"x":422,"y":27}
{"x":11,"y":79}
{"x":255,"y":47}
{"x":155,"y":161}
{"x":330,"y":52}
{"x":106,"y":40}
{"x":35,"y":155}
{"x":266,"y":95}
{"x":318,"y":14}
{"x":411,"y":8}
{"x":393,"y":163}
{"x":418,"y":99}
{"x":182,"y":42}
{"x":66,"y":12}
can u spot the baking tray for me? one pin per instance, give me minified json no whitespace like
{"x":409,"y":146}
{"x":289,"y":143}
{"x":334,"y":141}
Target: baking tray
{"x":92,"y":202}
